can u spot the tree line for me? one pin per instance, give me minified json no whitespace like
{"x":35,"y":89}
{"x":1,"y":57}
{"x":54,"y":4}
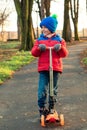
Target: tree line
{"x":25,"y":27}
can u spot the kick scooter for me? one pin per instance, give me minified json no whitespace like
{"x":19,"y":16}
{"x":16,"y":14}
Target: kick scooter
{"x":52,"y":116}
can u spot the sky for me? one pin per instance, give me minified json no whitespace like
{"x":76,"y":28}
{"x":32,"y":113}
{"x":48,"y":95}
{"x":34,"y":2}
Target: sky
{"x":59,"y":9}
{"x":56,"y":8}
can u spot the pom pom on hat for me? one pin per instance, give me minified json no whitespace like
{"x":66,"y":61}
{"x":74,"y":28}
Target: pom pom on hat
{"x":50,"y":23}
{"x":54,"y":16}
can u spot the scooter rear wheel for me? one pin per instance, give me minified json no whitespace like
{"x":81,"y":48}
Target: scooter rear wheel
{"x":42,"y":120}
{"x":61,"y":119}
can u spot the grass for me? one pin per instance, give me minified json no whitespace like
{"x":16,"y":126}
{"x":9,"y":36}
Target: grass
{"x":84,"y":58}
{"x":11,"y":63}
{"x":9,"y":45}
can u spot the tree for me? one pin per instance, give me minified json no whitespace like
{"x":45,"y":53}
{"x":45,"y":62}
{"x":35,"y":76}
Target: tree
{"x":47,"y":7}
{"x":44,"y":8}
{"x":66,"y":26}
{"x":24,"y":10}
{"x":74,"y":14}
{"x":39,"y":7}
{"x":3,"y":17}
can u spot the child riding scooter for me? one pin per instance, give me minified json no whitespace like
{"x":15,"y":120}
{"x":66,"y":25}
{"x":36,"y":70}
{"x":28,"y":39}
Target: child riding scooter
{"x":48,"y":39}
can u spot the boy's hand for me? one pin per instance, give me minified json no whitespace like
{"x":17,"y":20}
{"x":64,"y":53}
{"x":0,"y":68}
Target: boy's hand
{"x":42,"y":47}
{"x":57,"y":47}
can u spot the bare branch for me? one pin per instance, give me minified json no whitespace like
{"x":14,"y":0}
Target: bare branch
{"x":4,"y":15}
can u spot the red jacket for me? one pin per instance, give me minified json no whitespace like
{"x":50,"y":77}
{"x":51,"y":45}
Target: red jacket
{"x":43,"y":61}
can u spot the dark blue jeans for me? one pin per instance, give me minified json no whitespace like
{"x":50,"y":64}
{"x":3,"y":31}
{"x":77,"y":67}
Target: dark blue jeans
{"x":43,"y":86}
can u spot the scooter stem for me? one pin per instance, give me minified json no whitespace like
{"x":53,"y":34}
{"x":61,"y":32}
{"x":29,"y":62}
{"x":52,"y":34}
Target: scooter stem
{"x":51,"y":72}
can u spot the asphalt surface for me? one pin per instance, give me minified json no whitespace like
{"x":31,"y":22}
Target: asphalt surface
{"x":18,"y":96}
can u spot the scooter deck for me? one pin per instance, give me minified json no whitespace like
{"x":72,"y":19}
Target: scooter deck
{"x":52,"y":119}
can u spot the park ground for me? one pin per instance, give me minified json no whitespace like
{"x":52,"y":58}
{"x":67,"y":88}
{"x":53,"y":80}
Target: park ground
{"x":18,"y":95}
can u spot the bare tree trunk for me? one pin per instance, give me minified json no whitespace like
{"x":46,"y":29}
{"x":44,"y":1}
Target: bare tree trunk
{"x":42,"y":9}
{"x":24,"y":9}
{"x":76,"y":30}
{"x":67,"y":35}
{"x":30,"y":32}
{"x":39,"y":7}
{"x":47,"y":7}
{"x":74,"y":15}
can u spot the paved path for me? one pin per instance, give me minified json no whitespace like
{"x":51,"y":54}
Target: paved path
{"x":18,"y":96}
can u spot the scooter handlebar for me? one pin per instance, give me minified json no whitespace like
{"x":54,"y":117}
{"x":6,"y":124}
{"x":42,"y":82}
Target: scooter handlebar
{"x":48,"y":48}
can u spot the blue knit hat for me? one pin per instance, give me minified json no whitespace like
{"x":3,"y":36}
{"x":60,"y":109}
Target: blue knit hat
{"x":50,"y":23}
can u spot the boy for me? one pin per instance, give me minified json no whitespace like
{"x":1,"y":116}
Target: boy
{"x":48,"y":38}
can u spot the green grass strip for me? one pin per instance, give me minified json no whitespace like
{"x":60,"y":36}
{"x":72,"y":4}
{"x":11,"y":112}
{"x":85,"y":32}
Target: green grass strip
{"x":7,"y":68}
{"x":85,"y":60}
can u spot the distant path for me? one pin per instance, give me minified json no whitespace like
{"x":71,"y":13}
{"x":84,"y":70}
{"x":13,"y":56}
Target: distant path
{"x":18,"y":96}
